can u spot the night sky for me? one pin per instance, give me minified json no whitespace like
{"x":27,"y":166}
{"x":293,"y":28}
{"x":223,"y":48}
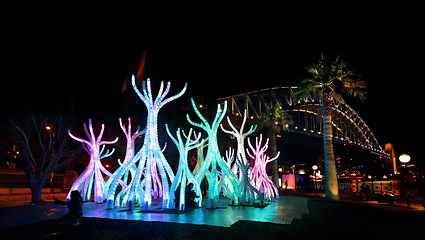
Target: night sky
{"x":52,"y":61}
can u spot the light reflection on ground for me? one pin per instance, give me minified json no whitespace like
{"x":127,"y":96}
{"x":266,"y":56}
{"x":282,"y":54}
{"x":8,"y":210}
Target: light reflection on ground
{"x":281,"y":211}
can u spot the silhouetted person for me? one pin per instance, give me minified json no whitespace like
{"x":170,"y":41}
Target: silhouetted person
{"x":177,"y":197}
{"x":190,"y":197}
{"x":75,"y":207}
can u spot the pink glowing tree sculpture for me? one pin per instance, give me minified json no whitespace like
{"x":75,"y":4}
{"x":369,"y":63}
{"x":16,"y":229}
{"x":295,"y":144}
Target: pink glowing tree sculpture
{"x":259,"y":176}
{"x":150,"y":158}
{"x":93,"y":173}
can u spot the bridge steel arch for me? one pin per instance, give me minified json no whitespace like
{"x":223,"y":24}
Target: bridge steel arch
{"x":348,"y":126}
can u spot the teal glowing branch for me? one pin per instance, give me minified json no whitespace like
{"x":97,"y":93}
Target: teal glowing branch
{"x":213,"y":157}
{"x":240,"y":138}
{"x":247,"y":192}
{"x":184,"y":175}
{"x":259,"y":176}
{"x":129,"y":154}
{"x":94,"y":170}
{"x":200,"y":153}
{"x":150,"y":158}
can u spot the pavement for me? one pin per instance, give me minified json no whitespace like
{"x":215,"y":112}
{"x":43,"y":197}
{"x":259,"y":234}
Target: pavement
{"x":294,"y":216}
{"x":11,"y":200}
{"x":280,"y":211}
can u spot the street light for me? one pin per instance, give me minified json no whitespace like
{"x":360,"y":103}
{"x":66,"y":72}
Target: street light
{"x":314,"y":167}
{"x":404,"y":158}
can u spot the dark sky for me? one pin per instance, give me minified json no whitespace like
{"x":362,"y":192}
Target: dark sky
{"x":52,"y":60}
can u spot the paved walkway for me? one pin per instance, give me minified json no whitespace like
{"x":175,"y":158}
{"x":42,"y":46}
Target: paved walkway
{"x":30,"y":214}
{"x":281,"y":211}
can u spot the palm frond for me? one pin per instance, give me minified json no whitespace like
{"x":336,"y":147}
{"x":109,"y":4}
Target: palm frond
{"x":333,"y":74}
{"x":275,"y":117}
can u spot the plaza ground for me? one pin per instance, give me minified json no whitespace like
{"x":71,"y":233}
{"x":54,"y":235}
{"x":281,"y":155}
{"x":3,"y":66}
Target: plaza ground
{"x":322,"y":220}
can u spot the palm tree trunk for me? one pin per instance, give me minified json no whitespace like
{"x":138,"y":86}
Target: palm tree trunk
{"x":331,"y":184}
{"x":273,"y":152}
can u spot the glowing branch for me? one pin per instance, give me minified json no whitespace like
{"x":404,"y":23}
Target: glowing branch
{"x":259,"y":175}
{"x":240,"y":138}
{"x":213,"y":157}
{"x":183,"y":175}
{"x":150,"y":157}
{"x":93,"y":172}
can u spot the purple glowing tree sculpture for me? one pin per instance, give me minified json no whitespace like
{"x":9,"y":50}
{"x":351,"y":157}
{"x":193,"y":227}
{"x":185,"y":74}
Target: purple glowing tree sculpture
{"x":93,"y":173}
{"x":183,"y":175}
{"x":259,"y":176}
{"x":150,"y":158}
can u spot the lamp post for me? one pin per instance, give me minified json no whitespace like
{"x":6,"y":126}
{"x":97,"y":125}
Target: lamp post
{"x":404,"y":158}
{"x":314,"y":167}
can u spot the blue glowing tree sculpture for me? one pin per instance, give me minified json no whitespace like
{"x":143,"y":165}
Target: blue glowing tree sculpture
{"x":259,"y":176}
{"x":150,"y":158}
{"x":240,"y":138}
{"x":247,"y":192}
{"x":93,"y":173}
{"x":184,"y":175}
{"x":200,"y":153}
{"x":213,"y":157}
{"x":129,"y":154}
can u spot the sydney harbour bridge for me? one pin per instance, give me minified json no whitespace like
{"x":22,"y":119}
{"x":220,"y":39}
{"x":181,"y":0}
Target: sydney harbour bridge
{"x":348,"y":126}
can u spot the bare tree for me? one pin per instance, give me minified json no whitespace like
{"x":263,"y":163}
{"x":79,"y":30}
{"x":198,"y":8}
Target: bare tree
{"x":39,"y":147}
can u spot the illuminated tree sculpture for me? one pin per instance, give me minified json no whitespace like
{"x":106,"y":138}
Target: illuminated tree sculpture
{"x":184,"y":175}
{"x":129,"y":154}
{"x":93,"y":173}
{"x":259,"y":176}
{"x":247,"y":192}
{"x":240,"y":137}
{"x":213,"y":157}
{"x":150,"y":157}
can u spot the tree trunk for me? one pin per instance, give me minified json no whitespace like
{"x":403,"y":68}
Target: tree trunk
{"x":273,"y":152}
{"x":36,"y":192}
{"x":331,"y":183}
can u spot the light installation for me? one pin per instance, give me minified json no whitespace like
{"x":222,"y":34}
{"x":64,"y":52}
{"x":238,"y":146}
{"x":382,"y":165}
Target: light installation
{"x":240,"y":138}
{"x":200,"y":153}
{"x":247,"y":192}
{"x":93,"y":173}
{"x":150,"y":158}
{"x":259,"y":177}
{"x":129,"y":154}
{"x":184,"y":175}
{"x":213,"y":157}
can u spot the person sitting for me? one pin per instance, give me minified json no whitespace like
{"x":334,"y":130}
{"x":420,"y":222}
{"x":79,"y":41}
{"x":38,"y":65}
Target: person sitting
{"x":75,"y":207}
{"x":190,"y":197}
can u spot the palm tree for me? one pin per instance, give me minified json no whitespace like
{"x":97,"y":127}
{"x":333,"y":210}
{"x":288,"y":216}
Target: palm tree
{"x":329,"y":78}
{"x":274,"y":119}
